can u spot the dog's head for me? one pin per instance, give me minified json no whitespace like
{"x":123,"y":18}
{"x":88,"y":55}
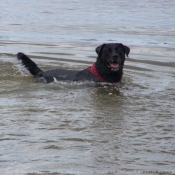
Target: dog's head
{"x":112,"y":55}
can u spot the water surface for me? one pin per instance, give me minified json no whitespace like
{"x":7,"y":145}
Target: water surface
{"x":78,"y":128}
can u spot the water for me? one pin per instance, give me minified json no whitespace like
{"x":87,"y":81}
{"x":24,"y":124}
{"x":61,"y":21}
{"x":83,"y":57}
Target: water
{"x":78,"y":128}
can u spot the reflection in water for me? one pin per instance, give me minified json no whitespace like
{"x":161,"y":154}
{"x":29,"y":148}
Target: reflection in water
{"x":85,"y":128}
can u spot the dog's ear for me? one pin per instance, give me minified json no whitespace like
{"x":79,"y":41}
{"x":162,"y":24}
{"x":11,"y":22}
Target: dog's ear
{"x":99,"y":48}
{"x":126,"y":49}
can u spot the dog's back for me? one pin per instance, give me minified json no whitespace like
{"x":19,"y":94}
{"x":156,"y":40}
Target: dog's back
{"x":57,"y":74}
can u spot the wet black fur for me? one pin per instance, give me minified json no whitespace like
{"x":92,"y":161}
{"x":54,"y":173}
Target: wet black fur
{"x":107,"y":53}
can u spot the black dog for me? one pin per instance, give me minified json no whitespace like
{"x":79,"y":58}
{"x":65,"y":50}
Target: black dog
{"x":107,"y":68}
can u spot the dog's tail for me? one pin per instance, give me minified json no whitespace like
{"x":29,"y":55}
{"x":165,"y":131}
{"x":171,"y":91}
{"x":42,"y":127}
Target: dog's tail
{"x":30,"y":65}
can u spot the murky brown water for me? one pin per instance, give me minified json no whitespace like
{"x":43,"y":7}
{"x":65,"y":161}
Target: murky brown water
{"x":77,"y":128}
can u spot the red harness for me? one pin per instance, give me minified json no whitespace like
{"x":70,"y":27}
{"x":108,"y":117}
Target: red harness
{"x":94,"y":71}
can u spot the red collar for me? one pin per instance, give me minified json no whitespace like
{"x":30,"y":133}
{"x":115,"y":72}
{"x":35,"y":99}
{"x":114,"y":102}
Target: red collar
{"x":94,"y":71}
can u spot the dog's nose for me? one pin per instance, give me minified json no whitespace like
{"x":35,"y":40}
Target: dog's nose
{"x":116,"y":59}
{"x":115,"y":56}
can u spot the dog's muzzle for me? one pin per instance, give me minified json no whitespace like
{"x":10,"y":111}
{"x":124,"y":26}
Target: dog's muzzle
{"x":114,"y":64}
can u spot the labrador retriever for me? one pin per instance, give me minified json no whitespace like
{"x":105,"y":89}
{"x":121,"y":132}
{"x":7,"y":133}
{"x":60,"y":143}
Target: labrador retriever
{"x":107,"y":68}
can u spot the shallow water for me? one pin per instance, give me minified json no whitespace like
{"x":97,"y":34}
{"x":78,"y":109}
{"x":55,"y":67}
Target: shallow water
{"x":78,"y":128}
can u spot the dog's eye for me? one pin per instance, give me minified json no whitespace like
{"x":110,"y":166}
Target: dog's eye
{"x":117,"y":49}
{"x":120,"y":51}
{"x":107,"y":51}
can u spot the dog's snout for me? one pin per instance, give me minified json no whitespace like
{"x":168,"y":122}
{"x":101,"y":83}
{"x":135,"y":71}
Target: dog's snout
{"x":115,"y":56}
{"x":116,"y":59}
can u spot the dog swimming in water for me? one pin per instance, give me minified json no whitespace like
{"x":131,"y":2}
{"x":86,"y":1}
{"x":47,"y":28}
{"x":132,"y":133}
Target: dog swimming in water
{"x":107,"y":68}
